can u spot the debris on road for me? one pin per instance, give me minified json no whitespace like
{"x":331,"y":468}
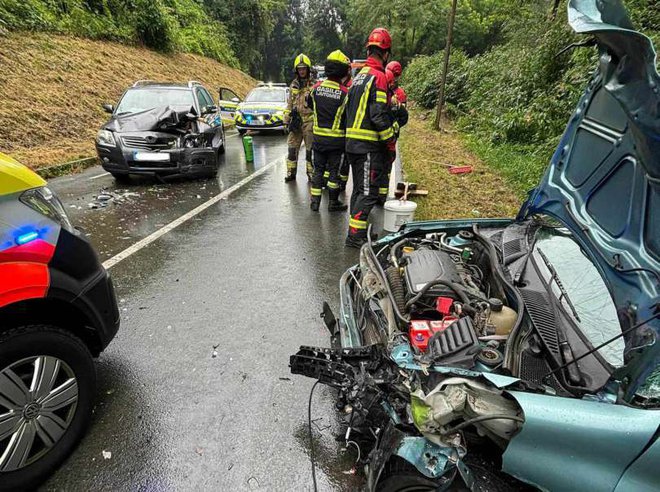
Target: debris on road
{"x":105,"y":197}
{"x":106,"y":454}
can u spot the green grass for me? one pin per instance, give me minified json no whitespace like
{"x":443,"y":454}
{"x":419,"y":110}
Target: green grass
{"x":522,"y":166}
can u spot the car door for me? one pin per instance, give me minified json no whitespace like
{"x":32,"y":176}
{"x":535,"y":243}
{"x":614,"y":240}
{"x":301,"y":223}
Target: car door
{"x":228,"y":103}
{"x":211,"y":124}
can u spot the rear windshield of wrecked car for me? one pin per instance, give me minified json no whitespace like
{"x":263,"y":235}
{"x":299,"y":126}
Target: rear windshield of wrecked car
{"x":266,"y":95}
{"x":138,"y":100}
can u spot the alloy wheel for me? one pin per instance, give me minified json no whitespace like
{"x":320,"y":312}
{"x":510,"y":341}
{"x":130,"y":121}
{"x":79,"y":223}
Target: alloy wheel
{"x":38,"y":399}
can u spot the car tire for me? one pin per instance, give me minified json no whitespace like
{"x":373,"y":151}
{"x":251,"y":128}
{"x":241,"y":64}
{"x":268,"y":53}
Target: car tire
{"x":121,"y":178}
{"x":400,"y":476}
{"x":70,"y":363}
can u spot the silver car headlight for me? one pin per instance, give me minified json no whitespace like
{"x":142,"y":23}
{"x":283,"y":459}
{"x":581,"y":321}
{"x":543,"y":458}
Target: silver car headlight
{"x":106,"y":137}
{"x":46,"y":203}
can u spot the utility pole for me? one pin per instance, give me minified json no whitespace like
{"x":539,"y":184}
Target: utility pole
{"x":443,"y":77}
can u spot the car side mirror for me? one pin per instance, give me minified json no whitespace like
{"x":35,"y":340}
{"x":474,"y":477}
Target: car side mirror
{"x":235,"y":99}
{"x":210,"y":109}
{"x":108,"y":108}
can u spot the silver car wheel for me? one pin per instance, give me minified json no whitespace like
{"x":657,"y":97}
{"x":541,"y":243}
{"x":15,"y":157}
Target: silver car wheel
{"x":38,"y":398}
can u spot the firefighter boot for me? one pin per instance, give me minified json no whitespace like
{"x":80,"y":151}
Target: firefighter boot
{"x":291,"y":171}
{"x":315,"y":203}
{"x":335,"y":205}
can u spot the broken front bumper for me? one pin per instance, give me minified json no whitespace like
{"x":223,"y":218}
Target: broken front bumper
{"x":194,"y":160}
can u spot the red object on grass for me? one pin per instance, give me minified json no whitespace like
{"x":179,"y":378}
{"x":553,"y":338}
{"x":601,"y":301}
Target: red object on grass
{"x":460,"y":169}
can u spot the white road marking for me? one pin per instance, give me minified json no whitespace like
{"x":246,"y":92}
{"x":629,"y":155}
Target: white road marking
{"x":109,"y":263}
{"x":99,"y":176}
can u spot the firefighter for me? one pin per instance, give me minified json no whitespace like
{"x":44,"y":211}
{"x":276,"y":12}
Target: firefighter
{"x":370,"y":127}
{"x":328,"y":102}
{"x":299,"y":118}
{"x":401,"y":116}
{"x":344,"y":166}
{"x":400,"y":96}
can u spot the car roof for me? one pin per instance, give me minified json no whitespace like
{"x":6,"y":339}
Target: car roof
{"x":15,"y":177}
{"x":153,"y":84}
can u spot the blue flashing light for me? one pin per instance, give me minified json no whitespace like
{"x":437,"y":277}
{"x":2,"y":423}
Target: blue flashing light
{"x":27,"y":237}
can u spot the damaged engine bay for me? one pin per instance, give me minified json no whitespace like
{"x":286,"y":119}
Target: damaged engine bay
{"x":431,"y":331}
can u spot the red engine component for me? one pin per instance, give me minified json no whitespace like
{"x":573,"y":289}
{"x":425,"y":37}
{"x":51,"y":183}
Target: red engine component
{"x":421,"y":331}
{"x":443,"y":305}
{"x":441,"y":325}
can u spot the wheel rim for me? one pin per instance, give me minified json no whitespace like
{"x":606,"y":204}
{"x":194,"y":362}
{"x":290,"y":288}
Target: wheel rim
{"x":38,"y":398}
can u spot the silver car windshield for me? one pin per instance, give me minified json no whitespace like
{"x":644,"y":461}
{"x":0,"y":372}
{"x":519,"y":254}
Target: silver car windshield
{"x":266,"y":95}
{"x":136,"y":100}
{"x":585,"y":289}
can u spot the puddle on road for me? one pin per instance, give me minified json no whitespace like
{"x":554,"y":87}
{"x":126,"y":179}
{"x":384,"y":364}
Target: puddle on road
{"x":332,"y":459}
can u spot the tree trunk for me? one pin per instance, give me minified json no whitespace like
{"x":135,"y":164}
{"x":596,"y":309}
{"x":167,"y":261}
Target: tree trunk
{"x":445,"y":69}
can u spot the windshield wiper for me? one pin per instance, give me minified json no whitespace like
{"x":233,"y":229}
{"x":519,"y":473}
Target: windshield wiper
{"x":607,"y":342}
{"x":566,"y":351}
{"x":554,"y":277}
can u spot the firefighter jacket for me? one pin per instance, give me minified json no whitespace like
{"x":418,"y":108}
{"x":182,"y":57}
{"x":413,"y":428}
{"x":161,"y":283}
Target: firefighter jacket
{"x":299,"y":90}
{"x":370,"y":124}
{"x":328,"y":102}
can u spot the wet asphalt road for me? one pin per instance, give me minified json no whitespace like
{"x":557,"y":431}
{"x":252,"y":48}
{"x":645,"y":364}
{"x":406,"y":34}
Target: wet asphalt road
{"x":195,"y":391}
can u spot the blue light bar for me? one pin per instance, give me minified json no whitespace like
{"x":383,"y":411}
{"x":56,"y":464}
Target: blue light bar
{"x":27,"y":237}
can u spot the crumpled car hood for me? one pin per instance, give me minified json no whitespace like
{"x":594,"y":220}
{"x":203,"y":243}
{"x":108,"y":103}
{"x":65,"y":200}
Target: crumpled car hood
{"x":161,"y":118}
{"x":603,"y":181}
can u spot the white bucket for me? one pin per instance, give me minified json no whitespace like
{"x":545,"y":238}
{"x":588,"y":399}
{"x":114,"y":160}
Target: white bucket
{"x":397,"y":213}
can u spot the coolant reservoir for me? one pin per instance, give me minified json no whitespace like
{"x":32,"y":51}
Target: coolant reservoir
{"x":503,"y":318}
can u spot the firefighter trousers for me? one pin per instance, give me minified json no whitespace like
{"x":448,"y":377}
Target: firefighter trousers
{"x":368,"y":170}
{"x":294,"y":141}
{"x":344,"y":169}
{"x":326,"y":166}
{"x":384,"y":185}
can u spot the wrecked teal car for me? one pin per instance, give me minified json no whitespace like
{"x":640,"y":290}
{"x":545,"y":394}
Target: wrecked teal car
{"x":472,"y":351}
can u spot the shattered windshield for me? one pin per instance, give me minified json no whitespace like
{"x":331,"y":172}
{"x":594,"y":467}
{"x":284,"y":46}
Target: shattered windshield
{"x":137,"y":100}
{"x":267,"y":96}
{"x":585,"y":289}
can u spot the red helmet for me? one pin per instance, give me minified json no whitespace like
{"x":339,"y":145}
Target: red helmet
{"x":380,"y":37}
{"x":390,"y":77}
{"x":395,"y":66}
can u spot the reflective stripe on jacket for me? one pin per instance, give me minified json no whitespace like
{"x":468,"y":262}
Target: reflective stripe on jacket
{"x":370,"y":124}
{"x":328,"y":102}
{"x":299,"y":90}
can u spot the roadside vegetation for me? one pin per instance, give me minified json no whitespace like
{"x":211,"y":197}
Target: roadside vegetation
{"x":52,"y":88}
{"x":163,"y":25}
{"x":513,"y":100}
{"x":427,"y":156}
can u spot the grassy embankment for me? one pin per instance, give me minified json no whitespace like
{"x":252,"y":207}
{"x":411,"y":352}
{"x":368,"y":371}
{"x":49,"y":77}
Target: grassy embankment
{"x":52,"y":88}
{"x":485,"y":192}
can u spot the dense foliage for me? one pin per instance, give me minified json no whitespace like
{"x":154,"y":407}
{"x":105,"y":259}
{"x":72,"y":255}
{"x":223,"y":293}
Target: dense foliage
{"x":518,"y":95}
{"x":163,"y":25}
